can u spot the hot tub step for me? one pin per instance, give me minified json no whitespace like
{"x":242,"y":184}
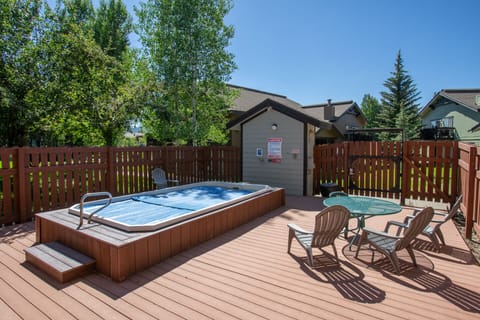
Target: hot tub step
{"x":59,"y":261}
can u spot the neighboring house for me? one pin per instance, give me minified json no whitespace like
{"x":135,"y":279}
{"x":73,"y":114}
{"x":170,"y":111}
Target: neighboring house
{"x":452,"y":114}
{"x":344,"y":116}
{"x":340,"y":115}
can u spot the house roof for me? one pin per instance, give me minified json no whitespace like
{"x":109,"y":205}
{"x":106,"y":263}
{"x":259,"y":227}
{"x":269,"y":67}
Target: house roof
{"x":280,"y":107}
{"x":250,"y":97}
{"x":464,"y":97}
{"x":340,"y":108}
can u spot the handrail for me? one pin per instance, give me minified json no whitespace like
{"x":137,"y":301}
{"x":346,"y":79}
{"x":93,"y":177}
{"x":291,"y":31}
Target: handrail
{"x":93,"y":194}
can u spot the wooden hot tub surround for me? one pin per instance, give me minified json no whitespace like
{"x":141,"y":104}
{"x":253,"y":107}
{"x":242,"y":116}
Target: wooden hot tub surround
{"x":119,"y":254}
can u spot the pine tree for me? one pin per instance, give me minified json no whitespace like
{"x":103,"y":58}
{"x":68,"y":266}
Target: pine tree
{"x":400,"y":102}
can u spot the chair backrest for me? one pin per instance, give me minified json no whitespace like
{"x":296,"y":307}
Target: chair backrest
{"x":159,"y":176}
{"x":416,"y":226}
{"x":328,"y":225}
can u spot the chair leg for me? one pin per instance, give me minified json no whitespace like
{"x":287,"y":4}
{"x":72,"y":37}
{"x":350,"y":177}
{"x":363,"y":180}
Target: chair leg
{"x":310,"y":256}
{"x":440,"y":236}
{"x":435,"y":242}
{"x":394,"y":260}
{"x":335,"y":251}
{"x":360,"y":241}
{"x":291,"y":235}
{"x":412,"y":255}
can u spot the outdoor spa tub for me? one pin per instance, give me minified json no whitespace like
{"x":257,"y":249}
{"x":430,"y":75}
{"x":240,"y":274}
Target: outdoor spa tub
{"x":153,"y":210}
{"x":137,"y":231}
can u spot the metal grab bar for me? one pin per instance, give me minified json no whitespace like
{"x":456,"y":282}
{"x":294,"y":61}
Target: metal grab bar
{"x":93,"y":194}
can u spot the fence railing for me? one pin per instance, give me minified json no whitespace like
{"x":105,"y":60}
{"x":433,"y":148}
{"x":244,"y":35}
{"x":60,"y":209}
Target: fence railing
{"x":41,"y":179}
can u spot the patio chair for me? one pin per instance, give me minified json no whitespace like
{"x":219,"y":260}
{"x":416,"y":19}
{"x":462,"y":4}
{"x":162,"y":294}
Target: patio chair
{"x":328,"y":224}
{"x":389,"y":244}
{"x":432,"y":230}
{"x":352,"y":215}
{"x":160,"y":178}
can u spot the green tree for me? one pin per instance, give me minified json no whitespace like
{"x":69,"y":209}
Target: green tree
{"x":371,"y":107}
{"x":112,"y":26}
{"x":186,"y":41}
{"x":18,"y":21}
{"x":400,"y":102}
{"x":84,"y":94}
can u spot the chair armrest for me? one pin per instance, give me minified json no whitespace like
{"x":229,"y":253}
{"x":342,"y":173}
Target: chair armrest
{"x":441,"y":214}
{"x":380,"y":233}
{"x":296,"y":228}
{"x":400,"y":225}
{"x":174,"y":181}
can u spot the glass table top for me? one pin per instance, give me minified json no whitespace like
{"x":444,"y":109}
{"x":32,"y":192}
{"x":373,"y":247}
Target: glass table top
{"x":364,"y":205}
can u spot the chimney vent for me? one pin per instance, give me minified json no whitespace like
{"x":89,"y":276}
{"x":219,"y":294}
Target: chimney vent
{"x":329,"y":111}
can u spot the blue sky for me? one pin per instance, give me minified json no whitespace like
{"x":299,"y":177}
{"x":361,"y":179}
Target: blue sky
{"x":314,"y":50}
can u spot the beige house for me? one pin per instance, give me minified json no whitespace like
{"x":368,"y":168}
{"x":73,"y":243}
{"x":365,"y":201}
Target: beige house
{"x":341,"y":115}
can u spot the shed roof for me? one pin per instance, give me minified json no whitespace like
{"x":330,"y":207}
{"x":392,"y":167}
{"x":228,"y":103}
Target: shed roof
{"x":275,"y":105}
{"x":251,"y":97}
{"x":465,"y":97}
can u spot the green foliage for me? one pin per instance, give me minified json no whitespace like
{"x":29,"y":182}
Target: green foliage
{"x":18,"y":21}
{"x":399,"y":102}
{"x":81,"y":89}
{"x":185,"y":42}
{"x":111,"y":27}
{"x":370,"y":108}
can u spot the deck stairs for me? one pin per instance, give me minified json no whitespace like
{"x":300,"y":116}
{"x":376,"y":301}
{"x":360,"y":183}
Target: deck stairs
{"x":59,"y":261}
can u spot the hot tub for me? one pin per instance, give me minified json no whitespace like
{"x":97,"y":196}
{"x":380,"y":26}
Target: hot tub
{"x":158,"y":209}
{"x":120,"y":253}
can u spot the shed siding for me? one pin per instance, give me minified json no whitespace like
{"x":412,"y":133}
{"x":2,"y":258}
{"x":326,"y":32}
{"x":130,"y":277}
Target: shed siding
{"x":289,"y":172}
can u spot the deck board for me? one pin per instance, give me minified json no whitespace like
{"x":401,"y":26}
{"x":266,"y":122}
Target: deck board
{"x":247,"y":274}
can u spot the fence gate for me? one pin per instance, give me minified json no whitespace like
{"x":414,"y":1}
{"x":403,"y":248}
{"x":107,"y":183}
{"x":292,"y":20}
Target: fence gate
{"x":375,"y":168}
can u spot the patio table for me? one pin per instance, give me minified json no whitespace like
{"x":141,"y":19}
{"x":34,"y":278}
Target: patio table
{"x":363,"y":208}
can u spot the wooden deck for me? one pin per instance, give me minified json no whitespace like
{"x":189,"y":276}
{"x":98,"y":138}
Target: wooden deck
{"x":247,"y":274}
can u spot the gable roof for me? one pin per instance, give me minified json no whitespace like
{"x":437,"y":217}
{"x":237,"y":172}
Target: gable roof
{"x":340,"y":108}
{"x":275,"y":105}
{"x":251,"y":97}
{"x":463,"y":97}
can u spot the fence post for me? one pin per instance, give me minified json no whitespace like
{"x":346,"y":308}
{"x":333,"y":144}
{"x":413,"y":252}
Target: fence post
{"x":346,"y":169}
{"x":405,"y":174}
{"x":21,"y":200}
{"x":111,"y":176}
{"x":470,"y":196}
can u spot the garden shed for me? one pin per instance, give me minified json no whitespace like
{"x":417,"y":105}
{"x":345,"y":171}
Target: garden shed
{"x":277,"y":146}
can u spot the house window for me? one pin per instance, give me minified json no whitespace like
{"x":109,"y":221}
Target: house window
{"x":446,"y":122}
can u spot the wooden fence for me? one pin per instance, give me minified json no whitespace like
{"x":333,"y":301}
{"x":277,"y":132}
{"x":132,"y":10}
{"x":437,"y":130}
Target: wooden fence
{"x":418,"y":170}
{"x":41,"y":179}
{"x":469,"y":186}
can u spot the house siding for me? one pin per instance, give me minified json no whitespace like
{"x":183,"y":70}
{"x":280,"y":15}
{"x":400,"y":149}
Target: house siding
{"x":463,"y":120}
{"x":289,"y":172}
{"x":347,"y":120}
